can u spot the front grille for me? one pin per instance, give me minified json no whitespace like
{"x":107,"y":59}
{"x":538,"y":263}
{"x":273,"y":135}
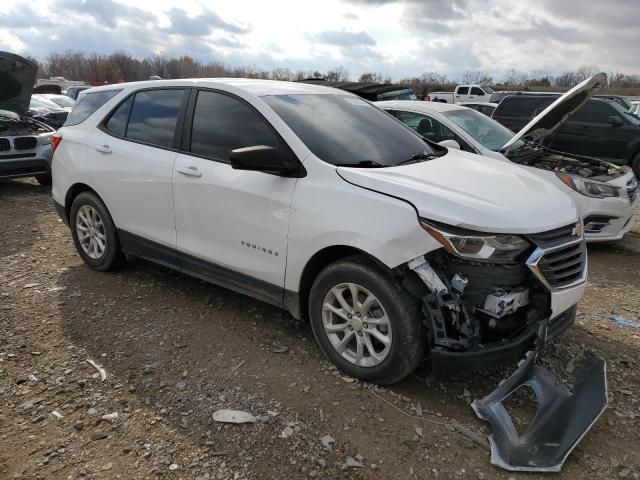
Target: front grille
{"x":557,"y":236}
{"x":25,"y":143}
{"x":5,"y":145}
{"x":632,"y":190}
{"x":564,"y":266}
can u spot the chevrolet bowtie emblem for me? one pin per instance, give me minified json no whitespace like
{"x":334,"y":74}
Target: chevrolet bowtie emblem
{"x":577,"y":230}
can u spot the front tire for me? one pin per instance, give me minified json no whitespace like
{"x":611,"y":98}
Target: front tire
{"x":94,"y":233}
{"x":367,"y":324}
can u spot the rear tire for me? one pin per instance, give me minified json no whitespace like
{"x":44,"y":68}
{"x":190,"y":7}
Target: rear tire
{"x":635,"y":165}
{"x":44,"y":180}
{"x":380,"y":340}
{"x":94,"y":233}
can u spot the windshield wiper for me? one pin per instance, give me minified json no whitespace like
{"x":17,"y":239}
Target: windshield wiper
{"x":416,"y":157}
{"x":362,"y":164}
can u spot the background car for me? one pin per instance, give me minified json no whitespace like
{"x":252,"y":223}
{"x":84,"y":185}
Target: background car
{"x":600,"y":128}
{"x":72,"y":92}
{"x":606,"y":195}
{"x":486,"y":108}
{"x":62,"y":101}
{"x":47,"y":112}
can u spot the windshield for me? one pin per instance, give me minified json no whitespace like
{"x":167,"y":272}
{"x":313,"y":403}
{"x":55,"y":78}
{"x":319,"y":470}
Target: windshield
{"x":62,"y":101}
{"x":345,"y":129}
{"x":488,"y":90}
{"x":488,"y":132}
{"x":629,"y":117}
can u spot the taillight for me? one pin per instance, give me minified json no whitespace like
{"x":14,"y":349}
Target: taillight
{"x":56,"y":138}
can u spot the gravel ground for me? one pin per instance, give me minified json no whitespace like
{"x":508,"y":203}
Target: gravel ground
{"x":175,"y":350}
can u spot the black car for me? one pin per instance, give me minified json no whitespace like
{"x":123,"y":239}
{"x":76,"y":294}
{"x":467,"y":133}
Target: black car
{"x":601,"y":128}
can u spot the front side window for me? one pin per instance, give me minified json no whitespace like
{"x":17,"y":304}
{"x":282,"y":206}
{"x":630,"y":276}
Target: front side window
{"x":222,"y":123}
{"x":89,"y":103}
{"x":476,"y":91}
{"x":345,"y":129}
{"x":431,"y":129}
{"x":154,"y":115}
{"x":516,"y":107}
{"x":593,"y":112}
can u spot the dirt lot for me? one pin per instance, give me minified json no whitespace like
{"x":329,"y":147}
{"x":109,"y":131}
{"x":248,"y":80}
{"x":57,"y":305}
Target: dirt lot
{"x":176,"y":349}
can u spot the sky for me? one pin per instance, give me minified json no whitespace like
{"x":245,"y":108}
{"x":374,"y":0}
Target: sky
{"x":398,"y":38}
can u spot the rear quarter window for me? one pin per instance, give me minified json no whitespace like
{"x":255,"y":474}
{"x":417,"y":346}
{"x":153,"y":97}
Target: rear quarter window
{"x":87,"y":105}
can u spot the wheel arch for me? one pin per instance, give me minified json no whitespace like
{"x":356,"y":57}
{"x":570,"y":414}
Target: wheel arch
{"x":73,"y":191}
{"x":298,"y":302}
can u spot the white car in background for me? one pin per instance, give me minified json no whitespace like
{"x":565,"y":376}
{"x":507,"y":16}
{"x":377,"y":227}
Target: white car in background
{"x":635,"y":107}
{"x":606,"y":195}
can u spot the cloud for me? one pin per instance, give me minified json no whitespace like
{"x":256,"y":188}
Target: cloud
{"x":106,"y":12}
{"x":201,"y":24}
{"x":344,"y":38}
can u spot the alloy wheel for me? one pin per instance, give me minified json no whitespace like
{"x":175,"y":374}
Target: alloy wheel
{"x":91,"y":232}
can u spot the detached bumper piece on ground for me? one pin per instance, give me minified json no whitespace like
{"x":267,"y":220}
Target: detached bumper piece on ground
{"x":563,"y":416}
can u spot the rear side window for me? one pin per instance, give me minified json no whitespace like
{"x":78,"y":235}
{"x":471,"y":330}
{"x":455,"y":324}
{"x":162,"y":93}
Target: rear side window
{"x":593,"y":112}
{"x":153,"y":116}
{"x":89,"y":103}
{"x":516,"y":107}
{"x":117,"y":123}
{"x":463,"y":90}
{"x":222,"y":123}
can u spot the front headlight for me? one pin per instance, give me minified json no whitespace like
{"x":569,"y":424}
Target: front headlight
{"x":589,"y":187}
{"x":45,"y":138}
{"x":482,"y":247}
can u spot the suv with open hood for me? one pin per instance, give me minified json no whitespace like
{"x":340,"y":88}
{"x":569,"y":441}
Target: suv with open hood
{"x":314,"y":200}
{"x":606,"y":195}
{"x":25,"y":143}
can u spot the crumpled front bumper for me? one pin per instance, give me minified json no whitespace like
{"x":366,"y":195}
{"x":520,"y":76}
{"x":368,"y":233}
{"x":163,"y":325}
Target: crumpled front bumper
{"x":563,"y":418}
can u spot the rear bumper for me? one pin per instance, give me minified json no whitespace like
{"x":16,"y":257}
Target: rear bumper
{"x":24,"y":167}
{"x":60,"y":210}
{"x":446,"y":362}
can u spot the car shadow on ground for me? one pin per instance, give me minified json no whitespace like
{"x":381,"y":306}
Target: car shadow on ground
{"x":187,"y":348}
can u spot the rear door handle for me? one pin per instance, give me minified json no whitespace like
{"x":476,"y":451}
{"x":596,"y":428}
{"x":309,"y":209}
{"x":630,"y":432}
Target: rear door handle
{"x":103,"y":148}
{"x":190,"y":171}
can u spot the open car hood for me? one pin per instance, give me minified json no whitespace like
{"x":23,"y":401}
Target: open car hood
{"x":17,"y":77}
{"x":555,"y":114}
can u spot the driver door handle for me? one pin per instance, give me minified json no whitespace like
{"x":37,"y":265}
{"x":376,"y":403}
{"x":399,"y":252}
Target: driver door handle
{"x":103,"y":148}
{"x":190,"y":171}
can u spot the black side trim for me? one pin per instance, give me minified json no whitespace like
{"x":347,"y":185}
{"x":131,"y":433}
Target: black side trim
{"x":196,"y":267}
{"x":141,"y":247}
{"x":61,"y":212}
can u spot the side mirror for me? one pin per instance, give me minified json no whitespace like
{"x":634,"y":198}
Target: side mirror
{"x":262,"y":159}
{"x":450,"y":144}
{"x":616,"y":121}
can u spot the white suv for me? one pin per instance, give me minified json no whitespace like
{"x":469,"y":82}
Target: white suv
{"x":316,"y":201}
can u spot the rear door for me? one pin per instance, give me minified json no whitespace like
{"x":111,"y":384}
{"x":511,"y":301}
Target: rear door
{"x":132,"y":159}
{"x":232,"y":225}
{"x":462,"y":94}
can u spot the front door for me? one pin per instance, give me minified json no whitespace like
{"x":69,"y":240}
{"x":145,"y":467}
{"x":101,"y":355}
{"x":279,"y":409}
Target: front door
{"x":232,"y":225}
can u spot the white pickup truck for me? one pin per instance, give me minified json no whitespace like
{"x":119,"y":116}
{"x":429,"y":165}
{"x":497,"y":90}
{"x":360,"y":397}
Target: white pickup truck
{"x":463,"y":93}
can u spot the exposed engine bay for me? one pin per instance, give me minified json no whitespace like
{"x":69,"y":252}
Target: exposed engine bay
{"x":12,"y":127}
{"x":540,"y":157}
{"x":471,"y":304}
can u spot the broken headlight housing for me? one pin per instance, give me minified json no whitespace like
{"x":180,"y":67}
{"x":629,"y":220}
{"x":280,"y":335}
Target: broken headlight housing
{"x":589,"y":187}
{"x":477,"y":246}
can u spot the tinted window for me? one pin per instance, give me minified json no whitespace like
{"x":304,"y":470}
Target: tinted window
{"x":222,"y":123}
{"x":516,"y":107}
{"x":593,"y":112}
{"x":463,"y":90}
{"x":431,"y":129}
{"x":117,"y":123}
{"x":346,"y":129}
{"x":89,"y":103}
{"x":153,"y":116}
{"x":476,"y":91}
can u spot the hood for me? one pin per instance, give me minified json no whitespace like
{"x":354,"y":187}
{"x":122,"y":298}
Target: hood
{"x":17,"y":77}
{"x":555,"y":114}
{"x":469,"y":191}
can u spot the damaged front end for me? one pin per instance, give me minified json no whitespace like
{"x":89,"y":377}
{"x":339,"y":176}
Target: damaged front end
{"x":490,"y":299}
